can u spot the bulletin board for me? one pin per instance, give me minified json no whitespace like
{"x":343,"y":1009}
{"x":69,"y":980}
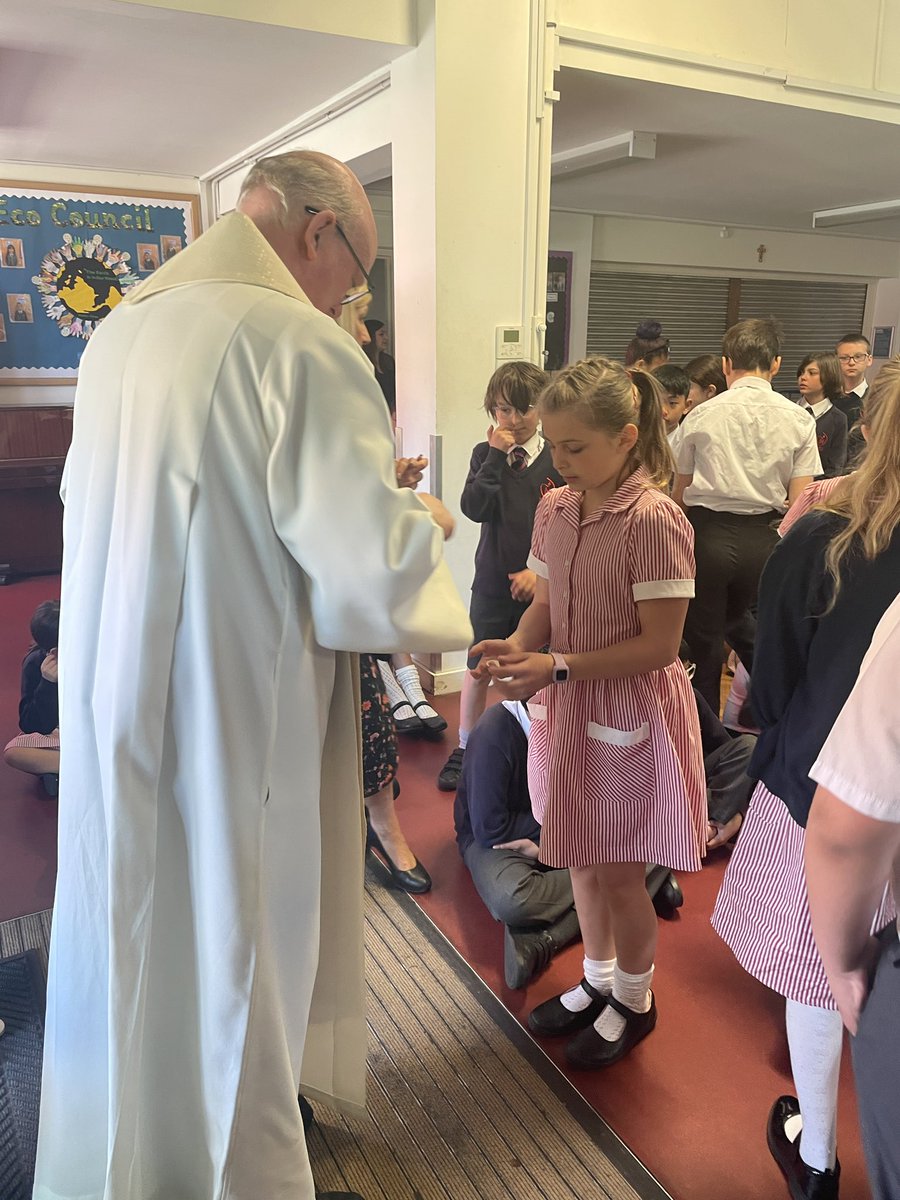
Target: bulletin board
{"x":67,"y":258}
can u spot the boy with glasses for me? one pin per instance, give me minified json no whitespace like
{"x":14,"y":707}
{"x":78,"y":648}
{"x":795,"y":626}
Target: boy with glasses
{"x":855,"y":356}
{"x":508,"y":475}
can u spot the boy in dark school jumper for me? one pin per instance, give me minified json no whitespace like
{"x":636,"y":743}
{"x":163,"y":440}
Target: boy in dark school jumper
{"x":508,"y":474}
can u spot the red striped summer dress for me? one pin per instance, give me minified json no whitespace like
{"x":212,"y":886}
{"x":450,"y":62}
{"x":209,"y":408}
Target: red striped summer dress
{"x":762,"y":911}
{"x":615,"y":766}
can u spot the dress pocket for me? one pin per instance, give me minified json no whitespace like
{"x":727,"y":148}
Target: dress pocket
{"x":619,"y":764}
{"x":538,"y":757}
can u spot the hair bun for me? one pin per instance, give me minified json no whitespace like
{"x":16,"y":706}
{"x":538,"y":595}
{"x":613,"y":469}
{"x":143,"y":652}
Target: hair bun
{"x":649,"y":331}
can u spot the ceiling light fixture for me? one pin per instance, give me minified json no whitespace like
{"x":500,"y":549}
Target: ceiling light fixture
{"x":852,"y":214}
{"x":622,"y":148}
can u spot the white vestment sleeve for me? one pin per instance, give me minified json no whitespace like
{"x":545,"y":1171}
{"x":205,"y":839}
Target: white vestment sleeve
{"x":371,"y":552}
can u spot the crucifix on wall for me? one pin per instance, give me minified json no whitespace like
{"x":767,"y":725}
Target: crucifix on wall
{"x":761,"y":251}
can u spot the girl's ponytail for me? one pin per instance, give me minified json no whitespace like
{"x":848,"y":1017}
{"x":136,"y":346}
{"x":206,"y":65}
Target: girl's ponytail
{"x":652,"y":450}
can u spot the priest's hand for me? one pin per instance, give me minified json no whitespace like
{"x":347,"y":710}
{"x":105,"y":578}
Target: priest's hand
{"x":410,"y":471}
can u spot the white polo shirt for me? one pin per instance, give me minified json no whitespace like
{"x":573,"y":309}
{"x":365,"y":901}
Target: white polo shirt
{"x":860,"y":761}
{"x":744,"y":447}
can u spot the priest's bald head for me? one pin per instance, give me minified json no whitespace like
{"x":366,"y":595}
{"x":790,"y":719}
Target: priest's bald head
{"x":313,"y":212}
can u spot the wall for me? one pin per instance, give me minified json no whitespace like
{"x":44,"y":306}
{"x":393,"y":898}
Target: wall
{"x":74,"y":178}
{"x":624,"y":240}
{"x":885,"y":310}
{"x":786,"y":50}
{"x":575,"y":232}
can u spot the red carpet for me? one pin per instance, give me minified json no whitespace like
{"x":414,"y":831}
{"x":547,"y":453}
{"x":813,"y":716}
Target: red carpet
{"x":692,"y":1101}
{"x":27,"y":815}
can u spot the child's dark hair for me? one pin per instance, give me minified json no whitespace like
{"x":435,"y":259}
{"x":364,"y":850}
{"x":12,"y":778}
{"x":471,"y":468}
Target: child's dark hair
{"x":706,"y":371}
{"x":856,"y":337}
{"x":753,"y":345}
{"x":672,"y":379}
{"x":45,"y":625}
{"x":829,"y":373}
{"x":605,"y":396}
{"x":647,"y":345}
{"x":516,"y":383}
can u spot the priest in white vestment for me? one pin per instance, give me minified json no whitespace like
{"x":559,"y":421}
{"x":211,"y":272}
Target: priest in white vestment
{"x":233,"y":531}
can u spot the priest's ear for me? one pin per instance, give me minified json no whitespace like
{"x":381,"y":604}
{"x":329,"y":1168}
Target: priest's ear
{"x":311,"y":233}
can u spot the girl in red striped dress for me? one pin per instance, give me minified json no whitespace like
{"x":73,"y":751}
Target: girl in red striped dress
{"x":615,"y":766}
{"x":812,"y":637}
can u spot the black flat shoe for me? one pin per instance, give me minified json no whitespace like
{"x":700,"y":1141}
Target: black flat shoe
{"x":804,"y":1183}
{"x":435,"y":724}
{"x":306,"y":1113}
{"x":553,"y":1019}
{"x":589,"y":1051}
{"x":415,"y":881}
{"x":669,"y":897}
{"x":451,"y":771}
{"x":413,"y":724}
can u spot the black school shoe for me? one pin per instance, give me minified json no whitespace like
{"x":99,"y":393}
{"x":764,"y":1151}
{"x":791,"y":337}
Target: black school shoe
{"x":451,"y":770}
{"x":553,"y":1019}
{"x":589,"y":1051}
{"x":804,"y":1183}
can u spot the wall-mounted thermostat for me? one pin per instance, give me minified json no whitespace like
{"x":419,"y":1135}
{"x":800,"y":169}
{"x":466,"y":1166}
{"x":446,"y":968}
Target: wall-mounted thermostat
{"x":510,"y":342}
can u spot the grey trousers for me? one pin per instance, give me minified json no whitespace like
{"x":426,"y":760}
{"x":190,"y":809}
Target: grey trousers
{"x":516,"y":890}
{"x":876,"y":1065}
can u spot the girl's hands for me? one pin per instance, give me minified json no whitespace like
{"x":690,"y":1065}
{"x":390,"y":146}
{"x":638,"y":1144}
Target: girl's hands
{"x":488,"y":650}
{"x":518,"y":676}
{"x":50,"y":667}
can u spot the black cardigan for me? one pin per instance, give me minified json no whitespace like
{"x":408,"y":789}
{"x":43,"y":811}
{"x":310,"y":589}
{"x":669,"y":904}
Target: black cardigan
{"x":806,"y":661}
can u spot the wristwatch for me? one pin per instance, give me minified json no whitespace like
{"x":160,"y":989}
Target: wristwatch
{"x":560,"y":672}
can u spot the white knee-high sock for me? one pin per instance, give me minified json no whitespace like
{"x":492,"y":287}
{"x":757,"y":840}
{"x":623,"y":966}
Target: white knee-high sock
{"x":599,"y":974}
{"x":408,"y":678}
{"x":815,"y":1037}
{"x":395,"y":692}
{"x":631,"y":990}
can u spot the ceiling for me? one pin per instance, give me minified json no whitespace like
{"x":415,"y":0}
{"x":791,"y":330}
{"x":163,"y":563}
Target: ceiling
{"x":723,"y":159}
{"x":95,"y":83}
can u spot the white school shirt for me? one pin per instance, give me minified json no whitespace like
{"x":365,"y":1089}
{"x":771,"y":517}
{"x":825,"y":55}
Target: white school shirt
{"x":817,"y":410}
{"x":860,"y":761}
{"x":744,"y":447}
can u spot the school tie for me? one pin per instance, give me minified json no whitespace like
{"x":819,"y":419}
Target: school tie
{"x":518,"y":458}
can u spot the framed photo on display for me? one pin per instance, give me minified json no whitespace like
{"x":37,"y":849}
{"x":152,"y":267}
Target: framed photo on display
{"x":882,"y":341}
{"x":67,"y":258}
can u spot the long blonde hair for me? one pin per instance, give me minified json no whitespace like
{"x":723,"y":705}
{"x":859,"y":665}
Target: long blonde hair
{"x":605,"y":396}
{"x":869,"y":499}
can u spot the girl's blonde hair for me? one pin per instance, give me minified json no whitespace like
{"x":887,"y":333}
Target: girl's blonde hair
{"x":605,"y":396}
{"x":353,"y":317}
{"x":869,"y":499}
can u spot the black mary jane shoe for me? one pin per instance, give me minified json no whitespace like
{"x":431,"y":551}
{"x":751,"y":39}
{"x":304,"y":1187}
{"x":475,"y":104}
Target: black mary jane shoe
{"x":435,"y":724}
{"x":413,"y":724}
{"x":416,"y":880}
{"x":804,"y":1183}
{"x":588,"y":1050}
{"x":553,"y":1019}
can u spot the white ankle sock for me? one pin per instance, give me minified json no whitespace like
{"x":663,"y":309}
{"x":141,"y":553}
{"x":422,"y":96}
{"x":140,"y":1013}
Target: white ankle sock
{"x":815,"y":1037}
{"x":631,"y":990}
{"x":599,"y":974}
{"x":408,"y":678}
{"x":395,"y":693}
{"x":463,"y":738}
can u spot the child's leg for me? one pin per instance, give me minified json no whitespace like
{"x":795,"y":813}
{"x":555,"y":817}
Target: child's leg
{"x":597,"y":935}
{"x":634,"y":932}
{"x":471,"y":704}
{"x":408,"y":677}
{"x":32,"y":760}
{"x":815,"y":1037}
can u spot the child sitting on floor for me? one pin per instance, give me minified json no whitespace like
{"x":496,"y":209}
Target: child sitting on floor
{"x":37,"y":750}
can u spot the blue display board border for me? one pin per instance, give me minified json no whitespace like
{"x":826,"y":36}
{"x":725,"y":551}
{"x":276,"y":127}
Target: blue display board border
{"x":72,"y":242}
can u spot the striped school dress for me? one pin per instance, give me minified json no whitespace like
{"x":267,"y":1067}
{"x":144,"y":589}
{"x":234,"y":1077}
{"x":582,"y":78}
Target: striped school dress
{"x":615,"y":766}
{"x":762,"y":911}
